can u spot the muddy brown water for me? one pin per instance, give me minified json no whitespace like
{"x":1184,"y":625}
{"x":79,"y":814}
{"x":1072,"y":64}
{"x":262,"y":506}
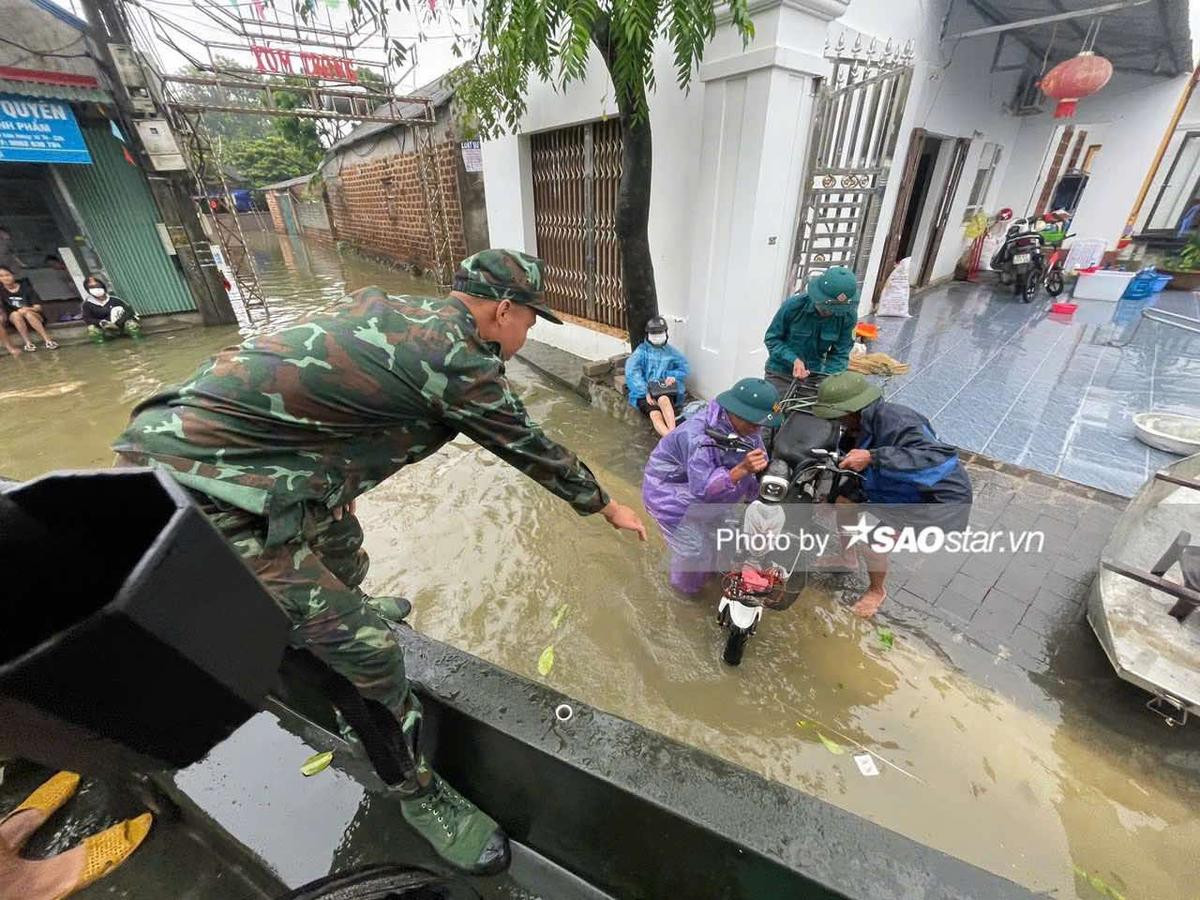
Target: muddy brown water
{"x":1045,"y":782}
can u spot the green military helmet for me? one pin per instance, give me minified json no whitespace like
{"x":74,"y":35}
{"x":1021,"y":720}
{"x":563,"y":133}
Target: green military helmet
{"x":752,"y":399}
{"x":835,"y":291}
{"x":505,"y":275}
{"x":844,"y":393}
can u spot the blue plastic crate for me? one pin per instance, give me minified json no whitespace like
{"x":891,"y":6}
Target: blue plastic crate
{"x":1161,"y":282}
{"x":1141,"y":286}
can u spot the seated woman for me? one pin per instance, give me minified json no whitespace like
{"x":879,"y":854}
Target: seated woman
{"x":690,"y":476}
{"x":813,"y":331}
{"x":22,"y":307}
{"x":654,"y":375}
{"x":105,"y":315}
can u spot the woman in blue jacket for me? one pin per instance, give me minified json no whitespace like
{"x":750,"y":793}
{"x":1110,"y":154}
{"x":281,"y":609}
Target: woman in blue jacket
{"x":654,"y":375}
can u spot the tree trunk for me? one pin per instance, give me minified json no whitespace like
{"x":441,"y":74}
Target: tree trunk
{"x":633,"y":203}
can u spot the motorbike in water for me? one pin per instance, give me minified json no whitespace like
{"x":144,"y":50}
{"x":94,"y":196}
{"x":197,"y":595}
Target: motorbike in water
{"x":1020,"y":261}
{"x":804,"y":470}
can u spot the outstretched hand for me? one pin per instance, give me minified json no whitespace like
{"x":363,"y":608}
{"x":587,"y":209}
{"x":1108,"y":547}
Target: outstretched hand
{"x":623,"y":518}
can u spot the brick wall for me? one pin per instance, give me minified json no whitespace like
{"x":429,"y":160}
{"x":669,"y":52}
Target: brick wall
{"x":379,"y":207}
{"x":276,"y":216}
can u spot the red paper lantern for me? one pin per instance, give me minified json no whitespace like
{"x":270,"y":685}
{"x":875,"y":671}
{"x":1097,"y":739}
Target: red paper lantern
{"x":1077,"y":77}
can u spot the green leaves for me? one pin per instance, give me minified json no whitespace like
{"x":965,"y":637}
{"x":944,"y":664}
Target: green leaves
{"x":886,"y":637}
{"x":546,"y":661}
{"x":832,"y":746}
{"x":318,"y":762}
{"x":553,"y":39}
{"x":558,"y":616}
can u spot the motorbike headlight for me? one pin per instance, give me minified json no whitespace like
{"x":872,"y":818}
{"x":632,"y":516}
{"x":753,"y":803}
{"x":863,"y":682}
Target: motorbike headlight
{"x":773,"y":488}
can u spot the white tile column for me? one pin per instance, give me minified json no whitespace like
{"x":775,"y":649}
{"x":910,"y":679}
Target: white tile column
{"x":757,"y":110}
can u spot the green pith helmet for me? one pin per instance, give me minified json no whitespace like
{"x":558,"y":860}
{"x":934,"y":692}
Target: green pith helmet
{"x":752,"y":399}
{"x":844,"y":393}
{"x":835,"y":291}
{"x":505,"y":275}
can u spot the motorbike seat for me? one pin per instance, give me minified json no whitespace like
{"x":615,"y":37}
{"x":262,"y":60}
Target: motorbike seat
{"x":799,"y":434}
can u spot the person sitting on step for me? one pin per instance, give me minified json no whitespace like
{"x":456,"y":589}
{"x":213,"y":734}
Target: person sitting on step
{"x":107,"y":316}
{"x":655,"y":374}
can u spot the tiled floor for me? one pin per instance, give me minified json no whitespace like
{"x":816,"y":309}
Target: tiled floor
{"x":1009,"y":381}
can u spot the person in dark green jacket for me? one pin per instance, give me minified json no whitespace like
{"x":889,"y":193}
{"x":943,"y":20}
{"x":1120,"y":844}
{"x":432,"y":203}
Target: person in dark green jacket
{"x":813,"y":331}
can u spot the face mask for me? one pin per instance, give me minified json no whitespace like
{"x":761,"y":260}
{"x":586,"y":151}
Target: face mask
{"x":96,"y":292}
{"x":657,"y":340}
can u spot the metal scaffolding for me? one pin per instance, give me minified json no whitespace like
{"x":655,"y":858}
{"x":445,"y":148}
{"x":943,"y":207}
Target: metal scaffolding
{"x":329,"y":91}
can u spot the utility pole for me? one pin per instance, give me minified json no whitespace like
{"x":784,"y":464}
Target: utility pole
{"x":172,"y":190}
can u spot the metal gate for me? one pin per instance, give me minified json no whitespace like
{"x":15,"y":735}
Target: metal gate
{"x":576,"y":173}
{"x":856,"y":120}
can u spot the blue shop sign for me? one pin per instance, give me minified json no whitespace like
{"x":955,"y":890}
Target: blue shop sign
{"x":33,"y":129}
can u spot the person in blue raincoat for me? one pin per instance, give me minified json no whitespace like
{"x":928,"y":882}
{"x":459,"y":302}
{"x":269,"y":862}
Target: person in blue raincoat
{"x":655,"y":374}
{"x":910,"y":477}
{"x":690,"y":480}
{"x":813,"y":331}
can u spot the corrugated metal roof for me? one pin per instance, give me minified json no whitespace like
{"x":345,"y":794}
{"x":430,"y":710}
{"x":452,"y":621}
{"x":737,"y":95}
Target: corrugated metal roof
{"x":1152,"y":38}
{"x":439,"y":93}
{"x":291,"y":182}
{"x":54,"y":91}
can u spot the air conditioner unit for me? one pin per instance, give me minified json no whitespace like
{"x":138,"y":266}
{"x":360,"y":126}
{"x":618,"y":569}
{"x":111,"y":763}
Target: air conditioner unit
{"x":1029,"y":99}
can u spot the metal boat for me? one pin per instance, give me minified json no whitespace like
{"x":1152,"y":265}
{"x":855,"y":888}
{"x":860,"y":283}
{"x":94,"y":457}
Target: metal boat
{"x":1143,"y":604}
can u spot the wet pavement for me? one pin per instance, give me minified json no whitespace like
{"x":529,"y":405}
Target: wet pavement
{"x":1016,"y":383}
{"x":1025,"y":757}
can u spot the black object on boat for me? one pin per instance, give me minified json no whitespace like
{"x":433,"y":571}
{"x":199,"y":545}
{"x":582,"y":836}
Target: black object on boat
{"x":134,"y":637}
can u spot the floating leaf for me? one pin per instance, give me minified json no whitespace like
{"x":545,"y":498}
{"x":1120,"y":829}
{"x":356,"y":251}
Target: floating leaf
{"x":546,"y":661}
{"x":1099,"y":885}
{"x":832,"y":746}
{"x":558,"y":616}
{"x":318,"y":762}
{"x":886,"y":637}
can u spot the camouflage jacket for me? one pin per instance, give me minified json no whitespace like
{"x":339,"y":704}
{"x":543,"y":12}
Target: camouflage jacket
{"x":326,"y":409}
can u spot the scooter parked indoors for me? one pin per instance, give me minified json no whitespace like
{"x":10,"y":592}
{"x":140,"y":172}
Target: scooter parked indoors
{"x":1020,"y":260}
{"x":804,"y":469}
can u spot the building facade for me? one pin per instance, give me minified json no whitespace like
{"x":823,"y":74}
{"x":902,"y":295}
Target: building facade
{"x":76,"y":198}
{"x":377,"y":201}
{"x":859,"y":132}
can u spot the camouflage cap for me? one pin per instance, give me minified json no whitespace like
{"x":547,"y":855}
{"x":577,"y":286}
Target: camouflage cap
{"x":504,"y":275}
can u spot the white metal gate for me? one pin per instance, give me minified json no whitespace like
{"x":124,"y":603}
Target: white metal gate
{"x":855,"y":124}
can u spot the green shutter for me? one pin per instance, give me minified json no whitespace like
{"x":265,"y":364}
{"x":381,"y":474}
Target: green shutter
{"x":119,"y":215}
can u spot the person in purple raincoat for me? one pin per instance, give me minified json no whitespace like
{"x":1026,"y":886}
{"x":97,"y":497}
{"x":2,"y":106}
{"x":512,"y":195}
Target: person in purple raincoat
{"x":690,"y":479}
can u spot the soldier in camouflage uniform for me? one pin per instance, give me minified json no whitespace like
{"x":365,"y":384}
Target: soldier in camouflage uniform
{"x":276,"y":437}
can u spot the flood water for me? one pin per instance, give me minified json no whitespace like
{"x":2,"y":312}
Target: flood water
{"x":1037,"y":779}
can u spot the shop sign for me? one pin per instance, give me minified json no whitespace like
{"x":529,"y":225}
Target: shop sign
{"x":34,"y":129}
{"x":275,"y":61}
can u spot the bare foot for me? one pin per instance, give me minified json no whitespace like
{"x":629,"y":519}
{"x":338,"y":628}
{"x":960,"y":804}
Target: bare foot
{"x":868,"y":604}
{"x":15,"y":351}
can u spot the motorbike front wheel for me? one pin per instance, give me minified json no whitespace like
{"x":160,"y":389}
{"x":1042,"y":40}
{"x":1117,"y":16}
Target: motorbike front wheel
{"x":1054,"y":282}
{"x":735,"y":645}
{"x":1029,"y":287}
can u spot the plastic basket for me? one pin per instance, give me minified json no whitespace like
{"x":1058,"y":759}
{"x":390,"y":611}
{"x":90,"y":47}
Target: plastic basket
{"x":1161,"y":282}
{"x":1141,"y":286}
{"x":1063,"y":309}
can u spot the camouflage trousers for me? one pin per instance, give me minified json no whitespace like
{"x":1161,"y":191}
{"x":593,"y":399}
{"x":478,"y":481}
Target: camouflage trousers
{"x":316,"y":580}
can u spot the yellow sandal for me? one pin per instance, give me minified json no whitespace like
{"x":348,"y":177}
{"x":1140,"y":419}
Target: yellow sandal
{"x":51,"y":795}
{"x":108,"y":849}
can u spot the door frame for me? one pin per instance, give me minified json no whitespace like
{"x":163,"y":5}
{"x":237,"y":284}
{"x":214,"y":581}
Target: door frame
{"x":908,"y":177}
{"x":958,"y":161}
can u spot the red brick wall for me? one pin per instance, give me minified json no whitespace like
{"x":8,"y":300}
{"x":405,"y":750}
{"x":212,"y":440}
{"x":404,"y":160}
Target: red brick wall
{"x":379,"y":207}
{"x":276,"y":217}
